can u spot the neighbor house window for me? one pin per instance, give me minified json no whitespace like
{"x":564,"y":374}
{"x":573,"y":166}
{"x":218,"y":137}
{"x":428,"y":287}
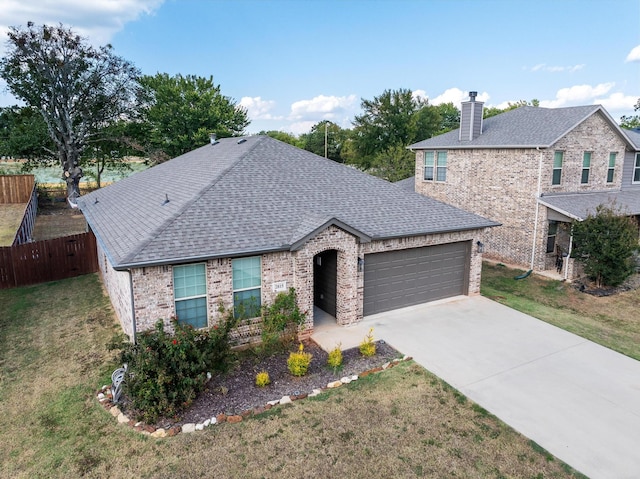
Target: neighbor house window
{"x":557,"y":168}
{"x":612,"y":167}
{"x":551,"y":236}
{"x":441,"y":166}
{"x":247,"y":282}
{"x":586,"y":167}
{"x":636,"y":169}
{"x":190,"y":294}
{"x":428,"y":165}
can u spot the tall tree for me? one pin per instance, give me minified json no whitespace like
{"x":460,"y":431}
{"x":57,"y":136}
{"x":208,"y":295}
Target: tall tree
{"x":393,"y":120}
{"x":324,"y":136}
{"x":628,"y":121}
{"x":24,"y":135}
{"x":449,"y":117}
{"x":77,"y":88}
{"x":178,"y":113}
{"x":282,"y":136}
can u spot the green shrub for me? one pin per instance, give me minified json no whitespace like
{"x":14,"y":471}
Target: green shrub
{"x":335,"y":357}
{"x":165,"y":372}
{"x":368,"y":346}
{"x":299,"y":361}
{"x":281,"y":319}
{"x":262,"y":379}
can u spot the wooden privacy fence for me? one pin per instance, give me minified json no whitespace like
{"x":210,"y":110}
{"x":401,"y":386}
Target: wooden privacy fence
{"x":48,"y":260}
{"x":16,"y":188}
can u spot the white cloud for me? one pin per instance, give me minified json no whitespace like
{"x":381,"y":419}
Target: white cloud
{"x":557,"y":69}
{"x":578,"y":95}
{"x":98,"y":20}
{"x":455,"y":96}
{"x":634,"y":55}
{"x":322,"y":107}
{"x":300,"y":127}
{"x":617,"y":102}
{"x":258,"y":109}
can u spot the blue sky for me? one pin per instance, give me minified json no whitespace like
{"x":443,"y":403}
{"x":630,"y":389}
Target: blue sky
{"x":294,"y":63}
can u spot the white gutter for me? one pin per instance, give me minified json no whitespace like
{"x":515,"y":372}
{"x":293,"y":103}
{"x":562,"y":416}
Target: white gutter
{"x":535,"y":225}
{"x":566,"y":263}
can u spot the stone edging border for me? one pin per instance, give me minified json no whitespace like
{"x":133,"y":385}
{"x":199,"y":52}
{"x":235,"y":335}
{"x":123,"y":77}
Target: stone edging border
{"x":105,"y":398}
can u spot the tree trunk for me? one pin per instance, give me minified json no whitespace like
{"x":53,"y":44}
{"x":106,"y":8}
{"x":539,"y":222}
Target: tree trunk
{"x":71,"y":173}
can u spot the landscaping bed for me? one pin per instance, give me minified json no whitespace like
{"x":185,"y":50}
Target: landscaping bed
{"x":235,"y":392}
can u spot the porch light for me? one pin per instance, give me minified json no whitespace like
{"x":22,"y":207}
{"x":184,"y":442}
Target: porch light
{"x":360,"y":265}
{"x":480,"y":246}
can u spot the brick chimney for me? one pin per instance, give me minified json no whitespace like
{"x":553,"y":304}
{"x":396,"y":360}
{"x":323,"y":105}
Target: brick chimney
{"x":471,"y":118}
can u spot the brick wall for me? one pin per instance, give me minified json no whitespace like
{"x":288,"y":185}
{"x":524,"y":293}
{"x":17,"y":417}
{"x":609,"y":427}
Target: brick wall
{"x":502,"y":185}
{"x":118,"y":288}
{"x":153,"y":286}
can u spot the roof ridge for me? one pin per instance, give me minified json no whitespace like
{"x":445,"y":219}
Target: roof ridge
{"x":170,"y":220}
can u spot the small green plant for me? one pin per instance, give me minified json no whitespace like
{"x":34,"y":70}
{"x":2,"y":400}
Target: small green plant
{"x":299,"y":361}
{"x":368,"y":346}
{"x":281,"y":319}
{"x":262,"y":379}
{"x":335,"y":357}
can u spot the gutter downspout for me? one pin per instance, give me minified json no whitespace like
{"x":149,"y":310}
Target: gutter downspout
{"x":133,"y":310}
{"x":535,"y":225}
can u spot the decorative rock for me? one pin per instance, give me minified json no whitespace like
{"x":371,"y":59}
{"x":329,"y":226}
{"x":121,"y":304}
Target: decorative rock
{"x":407,"y":358}
{"x":285,"y":400}
{"x":315,"y":392}
{"x":246,"y":413}
{"x":345,"y":380}
{"x":234,"y":419}
{"x":115,"y":411}
{"x":104,"y":388}
{"x":268,"y":406}
{"x":221,"y":418}
{"x":334,"y":384}
{"x":138,"y":424}
{"x":173,"y":431}
{"x":101,"y":397}
{"x":396,"y":361}
{"x":259,"y":410}
{"x":148,"y":428}
{"x":274,"y":402}
{"x":213,"y":420}
{"x":208,"y":376}
{"x":302,"y":396}
{"x":354,"y":377}
{"x":159,"y":433}
{"x":189,"y":427}
{"x":122,"y":418}
{"x":199,"y":426}
{"x":207,"y":423}
{"x":386,"y":365}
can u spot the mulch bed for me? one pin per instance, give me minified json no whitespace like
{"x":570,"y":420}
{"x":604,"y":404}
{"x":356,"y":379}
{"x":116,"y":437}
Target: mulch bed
{"x":235,"y":392}
{"x":585,"y":286}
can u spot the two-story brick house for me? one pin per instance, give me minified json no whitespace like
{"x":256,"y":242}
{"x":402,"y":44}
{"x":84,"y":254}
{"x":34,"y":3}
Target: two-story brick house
{"x":535,"y":170}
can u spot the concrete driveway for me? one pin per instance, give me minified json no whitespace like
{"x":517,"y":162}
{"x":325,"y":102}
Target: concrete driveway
{"x":578,"y":400}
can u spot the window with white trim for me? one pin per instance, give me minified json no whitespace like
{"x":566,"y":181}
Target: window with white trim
{"x":428,"y":165}
{"x":551,"y":236}
{"x":441,"y":166}
{"x":612,"y":167}
{"x":586,"y":167}
{"x":636,"y":169}
{"x":190,"y":294}
{"x":247,"y":286}
{"x":556,"y":178}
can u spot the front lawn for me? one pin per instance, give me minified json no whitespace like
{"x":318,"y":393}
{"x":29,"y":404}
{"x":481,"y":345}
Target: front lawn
{"x":612,"y":321}
{"x":400,"y":423}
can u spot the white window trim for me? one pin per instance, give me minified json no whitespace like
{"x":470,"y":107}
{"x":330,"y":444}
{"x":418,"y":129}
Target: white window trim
{"x":636,"y":167}
{"x":186,"y":298}
{"x":424,"y":167}
{"x":587,"y":168}
{"x":611,"y":169}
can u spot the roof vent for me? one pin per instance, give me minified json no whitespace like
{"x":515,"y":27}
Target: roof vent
{"x":212,"y":138}
{"x":241,"y":141}
{"x":166,"y":199}
{"x":473,"y":95}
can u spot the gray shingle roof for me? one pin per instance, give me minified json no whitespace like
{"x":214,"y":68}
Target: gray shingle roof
{"x":580,"y":205}
{"x":634,"y":136}
{"x":408,"y":184}
{"x":259,"y":195}
{"x":524,"y":127}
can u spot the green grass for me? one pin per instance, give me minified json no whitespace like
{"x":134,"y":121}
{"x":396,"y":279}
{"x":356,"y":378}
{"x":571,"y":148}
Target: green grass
{"x":611,"y":321}
{"x":403,"y":422}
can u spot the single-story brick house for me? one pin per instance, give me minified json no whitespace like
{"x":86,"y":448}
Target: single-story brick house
{"x":535,"y":170}
{"x":240,"y":219}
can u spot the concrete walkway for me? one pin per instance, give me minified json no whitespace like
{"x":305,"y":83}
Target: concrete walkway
{"x":578,"y":400}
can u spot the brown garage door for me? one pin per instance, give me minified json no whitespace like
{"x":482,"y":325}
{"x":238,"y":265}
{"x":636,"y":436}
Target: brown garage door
{"x":395,"y":279}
